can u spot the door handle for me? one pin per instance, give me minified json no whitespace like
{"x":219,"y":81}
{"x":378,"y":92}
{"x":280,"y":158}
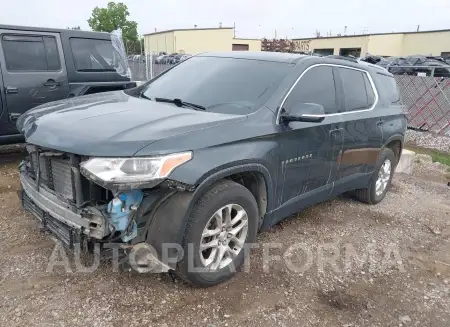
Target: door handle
{"x":52,"y":82}
{"x":380,"y":122}
{"x":14,"y":116}
{"x":11,"y":90}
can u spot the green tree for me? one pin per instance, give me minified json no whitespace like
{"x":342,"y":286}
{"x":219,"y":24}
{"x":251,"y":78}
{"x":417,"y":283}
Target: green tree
{"x":113,"y":17}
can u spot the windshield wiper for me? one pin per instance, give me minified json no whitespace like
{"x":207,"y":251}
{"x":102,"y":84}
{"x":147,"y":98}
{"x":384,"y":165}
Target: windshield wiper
{"x":180,"y":103}
{"x":142,"y":95}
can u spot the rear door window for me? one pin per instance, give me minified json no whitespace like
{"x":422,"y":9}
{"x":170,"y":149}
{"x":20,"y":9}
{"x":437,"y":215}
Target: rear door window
{"x":31,"y":53}
{"x":358,"y":91}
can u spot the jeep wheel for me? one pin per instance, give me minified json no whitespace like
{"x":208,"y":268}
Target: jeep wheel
{"x":381,"y":179}
{"x":222,"y":221}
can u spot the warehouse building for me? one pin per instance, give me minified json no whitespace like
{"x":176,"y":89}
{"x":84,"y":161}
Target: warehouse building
{"x":428,"y":43}
{"x":198,"y":40}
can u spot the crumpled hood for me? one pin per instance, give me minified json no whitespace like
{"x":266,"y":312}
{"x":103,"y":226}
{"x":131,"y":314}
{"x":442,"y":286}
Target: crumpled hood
{"x":111,"y":124}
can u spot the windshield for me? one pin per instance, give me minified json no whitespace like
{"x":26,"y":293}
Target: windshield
{"x":226,"y":85}
{"x":97,"y":55}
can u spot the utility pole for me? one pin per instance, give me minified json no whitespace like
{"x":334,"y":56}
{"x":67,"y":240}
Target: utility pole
{"x":234,"y":30}
{"x":275,"y":33}
{"x":418,"y":27}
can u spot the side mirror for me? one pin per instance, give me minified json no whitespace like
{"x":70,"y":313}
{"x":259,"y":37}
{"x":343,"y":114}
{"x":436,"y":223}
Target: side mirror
{"x":305,"y":112}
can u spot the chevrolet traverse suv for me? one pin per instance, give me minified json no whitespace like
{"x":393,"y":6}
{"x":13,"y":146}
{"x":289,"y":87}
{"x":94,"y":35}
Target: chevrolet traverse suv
{"x":210,"y":153}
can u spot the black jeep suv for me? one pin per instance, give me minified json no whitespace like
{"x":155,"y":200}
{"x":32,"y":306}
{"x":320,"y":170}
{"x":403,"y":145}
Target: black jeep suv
{"x":40,"y":65}
{"x":197,"y":161}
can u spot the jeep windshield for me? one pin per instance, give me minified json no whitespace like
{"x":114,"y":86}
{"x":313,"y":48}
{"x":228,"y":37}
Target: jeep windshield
{"x":225,"y":85}
{"x":98,"y":55}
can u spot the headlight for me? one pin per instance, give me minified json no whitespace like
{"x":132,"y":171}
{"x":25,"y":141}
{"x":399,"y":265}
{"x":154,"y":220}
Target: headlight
{"x":132,"y":170}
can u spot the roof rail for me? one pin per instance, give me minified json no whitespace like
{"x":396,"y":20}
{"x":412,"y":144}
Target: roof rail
{"x":352,"y":59}
{"x":362,"y":62}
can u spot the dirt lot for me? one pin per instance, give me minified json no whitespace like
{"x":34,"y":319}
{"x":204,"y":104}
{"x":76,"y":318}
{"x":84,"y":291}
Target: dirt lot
{"x":409,"y":286}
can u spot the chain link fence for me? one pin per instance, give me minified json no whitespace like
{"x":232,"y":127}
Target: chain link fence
{"x":145,"y":67}
{"x":427,"y":100}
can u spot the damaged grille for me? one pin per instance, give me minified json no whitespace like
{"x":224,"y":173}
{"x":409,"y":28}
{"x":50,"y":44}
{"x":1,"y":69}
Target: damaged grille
{"x":55,"y":174}
{"x":59,"y":172}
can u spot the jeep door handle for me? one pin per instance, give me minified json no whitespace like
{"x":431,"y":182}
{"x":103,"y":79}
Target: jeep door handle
{"x":14,"y":116}
{"x":52,"y":82}
{"x":380,"y":122}
{"x":11,"y":90}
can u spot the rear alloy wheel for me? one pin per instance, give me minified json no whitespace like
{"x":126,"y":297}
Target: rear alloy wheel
{"x":222,"y":221}
{"x":381,"y":179}
{"x":384,"y":176}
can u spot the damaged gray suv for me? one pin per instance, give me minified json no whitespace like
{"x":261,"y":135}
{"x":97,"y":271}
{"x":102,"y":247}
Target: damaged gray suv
{"x":199,"y":160}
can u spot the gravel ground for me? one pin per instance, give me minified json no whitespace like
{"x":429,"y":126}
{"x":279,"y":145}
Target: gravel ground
{"x":428,"y":140}
{"x":404,"y":281}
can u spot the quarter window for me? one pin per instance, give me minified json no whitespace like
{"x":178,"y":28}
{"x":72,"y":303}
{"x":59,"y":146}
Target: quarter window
{"x":30,"y":53}
{"x":358,"y":91}
{"x":316,"y":86}
{"x":388,"y":89}
{"x":93,"y":55}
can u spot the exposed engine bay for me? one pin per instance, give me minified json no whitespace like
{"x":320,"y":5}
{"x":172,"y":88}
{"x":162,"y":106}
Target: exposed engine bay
{"x":54,"y":179}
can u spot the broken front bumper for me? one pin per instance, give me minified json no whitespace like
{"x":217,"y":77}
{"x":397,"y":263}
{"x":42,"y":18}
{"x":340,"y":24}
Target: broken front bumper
{"x":52,"y":212}
{"x":72,"y":228}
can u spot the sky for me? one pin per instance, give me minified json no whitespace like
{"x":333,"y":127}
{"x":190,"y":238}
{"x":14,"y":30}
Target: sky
{"x":252,"y":18}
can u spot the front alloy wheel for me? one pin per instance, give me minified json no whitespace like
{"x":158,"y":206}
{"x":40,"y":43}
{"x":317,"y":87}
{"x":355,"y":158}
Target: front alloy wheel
{"x":222,"y":221}
{"x":224,"y":236}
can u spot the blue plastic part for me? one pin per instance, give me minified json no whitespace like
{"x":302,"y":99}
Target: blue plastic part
{"x":119,"y":210}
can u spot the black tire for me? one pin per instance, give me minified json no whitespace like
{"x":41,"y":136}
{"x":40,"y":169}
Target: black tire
{"x":220,"y":194}
{"x":368,"y":195}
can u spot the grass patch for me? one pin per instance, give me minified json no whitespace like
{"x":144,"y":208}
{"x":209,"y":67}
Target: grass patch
{"x":436,"y":155}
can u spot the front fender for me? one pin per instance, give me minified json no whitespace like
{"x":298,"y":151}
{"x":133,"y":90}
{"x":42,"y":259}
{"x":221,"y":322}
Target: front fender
{"x":167,"y":224}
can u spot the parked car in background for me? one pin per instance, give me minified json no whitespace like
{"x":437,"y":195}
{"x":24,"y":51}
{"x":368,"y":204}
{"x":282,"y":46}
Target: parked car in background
{"x":176,"y":59}
{"x":185,"y":56}
{"x":207,"y":165}
{"x":169,"y":59}
{"x":179,"y":58}
{"x":141,"y":58}
{"x":161,"y":59}
{"x":416,"y":65}
{"x":40,"y":65}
